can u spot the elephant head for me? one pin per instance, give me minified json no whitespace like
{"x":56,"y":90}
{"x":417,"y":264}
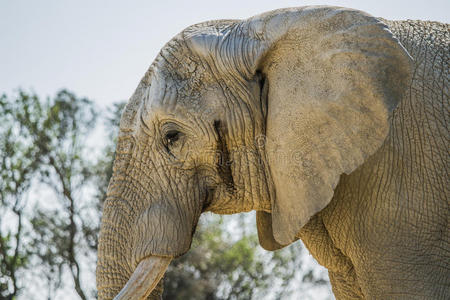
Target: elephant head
{"x":260,"y":114}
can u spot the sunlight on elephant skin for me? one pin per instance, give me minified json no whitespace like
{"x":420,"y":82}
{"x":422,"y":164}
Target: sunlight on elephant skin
{"x":330,"y":123}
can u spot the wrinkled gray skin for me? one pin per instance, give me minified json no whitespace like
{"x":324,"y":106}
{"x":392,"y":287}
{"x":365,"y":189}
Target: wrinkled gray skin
{"x":333,"y":128}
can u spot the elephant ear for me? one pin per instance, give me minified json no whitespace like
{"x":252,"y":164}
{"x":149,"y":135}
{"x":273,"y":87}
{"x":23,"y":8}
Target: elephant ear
{"x":335,"y":76}
{"x":332,"y":78}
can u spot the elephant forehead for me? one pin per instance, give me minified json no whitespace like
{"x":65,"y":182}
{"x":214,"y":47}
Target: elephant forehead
{"x":177,"y":64}
{"x":174,"y":84}
{"x":176,"y":96}
{"x":169,"y":100}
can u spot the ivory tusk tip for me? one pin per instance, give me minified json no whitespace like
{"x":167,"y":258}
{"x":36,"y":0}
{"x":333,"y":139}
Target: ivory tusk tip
{"x":144,"y":279}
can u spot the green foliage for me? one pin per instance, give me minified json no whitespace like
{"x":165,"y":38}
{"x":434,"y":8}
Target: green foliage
{"x":19,"y":161}
{"x":43,"y":141}
{"x":67,"y":122}
{"x":219,"y":266}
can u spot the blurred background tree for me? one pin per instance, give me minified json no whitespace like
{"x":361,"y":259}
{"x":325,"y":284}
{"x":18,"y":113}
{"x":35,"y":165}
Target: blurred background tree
{"x":20,"y":160}
{"x":51,"y":191}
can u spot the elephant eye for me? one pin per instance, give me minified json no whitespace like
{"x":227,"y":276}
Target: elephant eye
{"x":171,"y":137}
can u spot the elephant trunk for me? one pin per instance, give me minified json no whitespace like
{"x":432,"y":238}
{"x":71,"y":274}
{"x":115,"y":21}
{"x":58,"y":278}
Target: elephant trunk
{"x":141,"y":231}
{"x":113,"y":269}
{"x":115,"y":273}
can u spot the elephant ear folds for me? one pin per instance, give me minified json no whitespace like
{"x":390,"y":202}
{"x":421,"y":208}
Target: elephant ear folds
{"x":335,"y":77}
{"x":265,"y":231}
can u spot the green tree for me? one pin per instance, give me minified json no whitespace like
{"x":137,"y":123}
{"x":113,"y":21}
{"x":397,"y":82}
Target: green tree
{"x":227,"y":263}
{"x":44,"y":142}
{"x":58,"y":238}
{"x":20,"y":159}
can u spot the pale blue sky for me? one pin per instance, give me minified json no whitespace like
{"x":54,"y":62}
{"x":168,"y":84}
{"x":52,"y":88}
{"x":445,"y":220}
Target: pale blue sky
{"x":100,"y":49}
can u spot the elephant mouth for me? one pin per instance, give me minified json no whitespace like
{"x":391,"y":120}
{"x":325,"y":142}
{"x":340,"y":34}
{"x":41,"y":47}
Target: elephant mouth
{"x":144,"y":279}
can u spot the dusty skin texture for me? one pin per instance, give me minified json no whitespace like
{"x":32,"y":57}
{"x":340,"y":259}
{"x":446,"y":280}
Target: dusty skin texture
{"x":331,"y":123}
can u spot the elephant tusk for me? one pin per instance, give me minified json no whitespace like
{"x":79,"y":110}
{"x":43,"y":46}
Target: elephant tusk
{"x":144,"y":278}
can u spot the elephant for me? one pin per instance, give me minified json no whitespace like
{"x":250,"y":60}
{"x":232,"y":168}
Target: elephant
{"x":328,"y":122}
